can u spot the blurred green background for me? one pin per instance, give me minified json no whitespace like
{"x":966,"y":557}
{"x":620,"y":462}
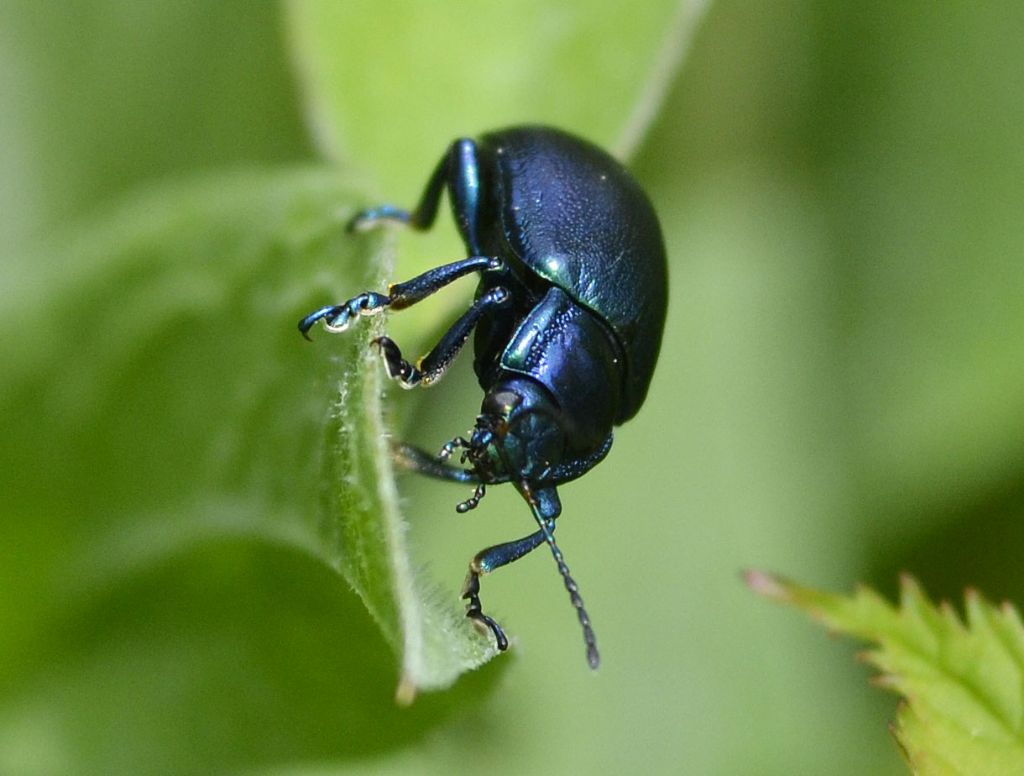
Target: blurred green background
{"x":838,"y":399}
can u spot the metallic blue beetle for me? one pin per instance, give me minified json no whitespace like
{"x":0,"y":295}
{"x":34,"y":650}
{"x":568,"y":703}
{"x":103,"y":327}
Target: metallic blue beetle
{"x":568,"y":316}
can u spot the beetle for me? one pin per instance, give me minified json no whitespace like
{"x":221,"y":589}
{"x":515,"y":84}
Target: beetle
{"x":568,"y":319}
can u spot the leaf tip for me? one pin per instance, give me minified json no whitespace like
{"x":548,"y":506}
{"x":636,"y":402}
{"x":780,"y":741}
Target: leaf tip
{"x":767,"y":585}
{"x":405,"y":693}
{"x":866,"y":656}
{"x":884,"y":681}
{"x":909,"y":586}
{"x":895,"y":730}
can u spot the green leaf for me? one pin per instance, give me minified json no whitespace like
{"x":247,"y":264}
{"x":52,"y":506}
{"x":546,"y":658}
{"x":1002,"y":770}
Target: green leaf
{"x":391,"y":86}
{"x":963,"y":709}
{"x":171,"y":88}
{"x":928,"y":238}
{"x":158,"y":398}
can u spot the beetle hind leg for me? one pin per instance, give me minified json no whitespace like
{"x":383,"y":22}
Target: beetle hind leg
{"x":371,"y":217}
{"x":420,"y":218}
{"x":459,"y":170}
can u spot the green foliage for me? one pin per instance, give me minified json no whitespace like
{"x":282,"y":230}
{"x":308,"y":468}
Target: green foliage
{"x":963,"y":711}
{"x":188,"y":424}
{"x":585,"y":71}
{"x":836,"y":395}
{"x":176,"y":418}
{"x":175,"y":424}
{"x":102,"y":96}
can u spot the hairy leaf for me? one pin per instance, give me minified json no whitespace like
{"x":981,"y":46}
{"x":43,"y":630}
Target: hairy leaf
{"x":157,"y":397}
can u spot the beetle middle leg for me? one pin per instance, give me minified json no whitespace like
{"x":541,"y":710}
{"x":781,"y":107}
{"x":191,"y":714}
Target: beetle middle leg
{"x":339,"y":317}
{"x":431,"y":367}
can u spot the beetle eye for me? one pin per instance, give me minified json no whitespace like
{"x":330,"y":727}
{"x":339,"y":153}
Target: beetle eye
{"x":501,"y":403}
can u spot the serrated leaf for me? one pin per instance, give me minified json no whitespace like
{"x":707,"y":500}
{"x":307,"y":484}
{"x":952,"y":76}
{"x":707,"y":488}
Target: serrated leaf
{"x":385,"y":85}
{"x":962,"y":682}
{"x":159,"y":397}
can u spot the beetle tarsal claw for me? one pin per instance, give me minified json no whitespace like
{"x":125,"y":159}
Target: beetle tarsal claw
{"x":471,"y":591}
{"x":338,"y":323}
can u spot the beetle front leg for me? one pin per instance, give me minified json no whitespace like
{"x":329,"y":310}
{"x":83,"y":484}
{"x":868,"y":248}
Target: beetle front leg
{"x":420,"y":461}
{"x":431,"y":368}
{"x":488,"y":560}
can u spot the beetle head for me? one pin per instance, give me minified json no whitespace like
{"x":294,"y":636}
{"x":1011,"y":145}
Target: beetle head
{"x":517,"y":435}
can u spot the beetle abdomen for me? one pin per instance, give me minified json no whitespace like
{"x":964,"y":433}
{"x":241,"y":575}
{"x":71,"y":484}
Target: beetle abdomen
{"x":577,"y":218}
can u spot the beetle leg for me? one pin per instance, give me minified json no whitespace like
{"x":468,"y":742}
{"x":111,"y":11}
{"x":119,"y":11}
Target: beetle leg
{"x":410,"y":292}
{"x":488,"y":560}
{"x":464,"y":189}
{"x":431,"y":368}
{"x":414,"y":459}
{"x":459,"y":170}
{"x":339,"y":317}
{"x":367,"y":219}
{"x":420,"y":218}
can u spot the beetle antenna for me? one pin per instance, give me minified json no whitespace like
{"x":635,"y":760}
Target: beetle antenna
{"x":448,"y":448}
{"x":547,"y":526}
{"x":473,"y":501}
